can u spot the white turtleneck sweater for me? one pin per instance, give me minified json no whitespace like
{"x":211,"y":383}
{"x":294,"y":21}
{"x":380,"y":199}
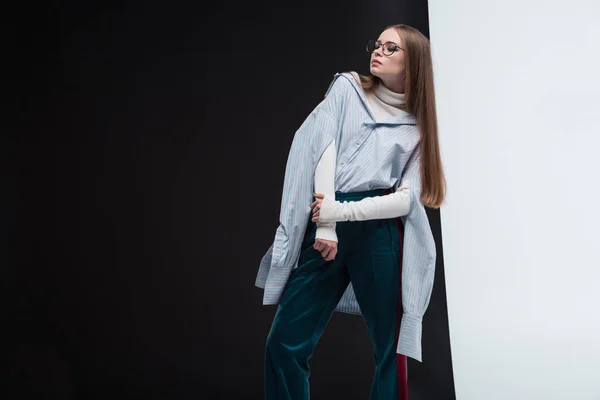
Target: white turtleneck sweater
{"x":383,"y":103}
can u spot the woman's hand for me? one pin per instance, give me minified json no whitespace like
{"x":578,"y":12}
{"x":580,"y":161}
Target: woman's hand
{"x":327,"y":248}
{"x":316,"y":206}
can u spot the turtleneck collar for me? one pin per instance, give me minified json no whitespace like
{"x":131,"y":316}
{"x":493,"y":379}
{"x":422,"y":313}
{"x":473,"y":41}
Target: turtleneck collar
{"x":387,"y":96}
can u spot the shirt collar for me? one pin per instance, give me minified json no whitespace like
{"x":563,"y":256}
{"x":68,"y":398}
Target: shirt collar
{"x":403,"y":119}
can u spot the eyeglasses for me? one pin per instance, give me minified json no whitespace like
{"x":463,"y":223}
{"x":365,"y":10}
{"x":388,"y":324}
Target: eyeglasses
{"x":389,"y":48}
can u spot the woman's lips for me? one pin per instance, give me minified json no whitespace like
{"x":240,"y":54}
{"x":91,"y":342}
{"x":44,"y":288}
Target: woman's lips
{"x":375,"y":62}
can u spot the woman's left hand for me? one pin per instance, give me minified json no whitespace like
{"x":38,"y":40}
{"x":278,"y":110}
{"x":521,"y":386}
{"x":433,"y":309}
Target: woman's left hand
{"x":316,"y":206}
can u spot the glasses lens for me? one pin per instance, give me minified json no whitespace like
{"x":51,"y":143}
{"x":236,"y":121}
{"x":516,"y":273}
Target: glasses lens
{"x":389,"y":48}
{"x":371,"y":46}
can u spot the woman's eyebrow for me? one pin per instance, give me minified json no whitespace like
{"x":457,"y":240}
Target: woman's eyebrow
{"x":389,"y":41}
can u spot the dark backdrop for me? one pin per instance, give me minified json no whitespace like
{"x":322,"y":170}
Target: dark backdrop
{"x":153,"y":138}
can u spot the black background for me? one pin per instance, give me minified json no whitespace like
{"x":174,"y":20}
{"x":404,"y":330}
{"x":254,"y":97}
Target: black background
{"x":150,"y":140}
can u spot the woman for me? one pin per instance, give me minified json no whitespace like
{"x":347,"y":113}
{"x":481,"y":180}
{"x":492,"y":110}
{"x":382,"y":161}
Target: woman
{"x":353,"y":254}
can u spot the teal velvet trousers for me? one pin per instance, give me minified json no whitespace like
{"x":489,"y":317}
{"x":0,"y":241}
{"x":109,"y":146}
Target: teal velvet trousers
{"x":368,"y":257}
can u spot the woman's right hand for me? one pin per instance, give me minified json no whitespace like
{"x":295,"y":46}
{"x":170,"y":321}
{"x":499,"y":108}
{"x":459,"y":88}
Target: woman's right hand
{"x":327,"y":248}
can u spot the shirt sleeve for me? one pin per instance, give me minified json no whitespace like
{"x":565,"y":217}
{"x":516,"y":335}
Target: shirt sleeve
{"x":418,"y":264}
{"x":310,"y":141}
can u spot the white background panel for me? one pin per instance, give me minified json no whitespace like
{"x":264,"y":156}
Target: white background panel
{"x":518,"y":95}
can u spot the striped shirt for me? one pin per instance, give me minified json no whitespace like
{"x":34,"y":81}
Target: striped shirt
{"x":370,"y":155}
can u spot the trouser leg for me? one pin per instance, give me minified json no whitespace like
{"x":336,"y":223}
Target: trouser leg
{"x":373,"y":266}
{"x":401,"y":360}
{"x":308,"y":301}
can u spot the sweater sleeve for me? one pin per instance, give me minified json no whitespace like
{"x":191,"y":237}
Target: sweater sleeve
{"x":391,"y":205}
{"x":324,"y":183}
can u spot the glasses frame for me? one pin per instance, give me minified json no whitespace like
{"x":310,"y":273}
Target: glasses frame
{"x":376,"y":46}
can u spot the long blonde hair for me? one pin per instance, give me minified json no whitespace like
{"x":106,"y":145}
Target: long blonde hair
{"x":420,"y":102}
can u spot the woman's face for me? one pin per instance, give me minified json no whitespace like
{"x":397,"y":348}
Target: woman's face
{"x":388,"y":67}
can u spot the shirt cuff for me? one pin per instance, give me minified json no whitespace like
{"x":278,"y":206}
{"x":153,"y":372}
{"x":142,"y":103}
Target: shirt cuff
{"x":409,"y":340}
{"x":326,"y":231}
